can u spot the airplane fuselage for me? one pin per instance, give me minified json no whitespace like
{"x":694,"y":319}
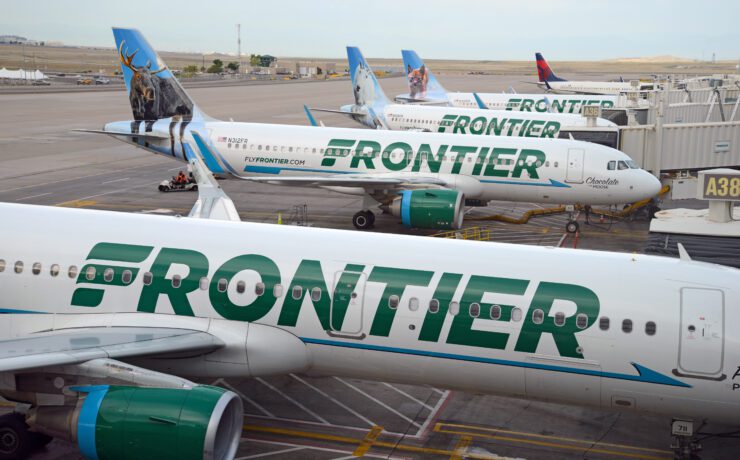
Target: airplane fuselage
{"x":482,"y":167}
{"x":617,"y":331}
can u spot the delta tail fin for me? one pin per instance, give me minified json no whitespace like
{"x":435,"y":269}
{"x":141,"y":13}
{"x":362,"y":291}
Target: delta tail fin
{"x":544,"y":72}
{"x":423,"y":85}
{"x":154,"y":92}
{"x":365,"y":86}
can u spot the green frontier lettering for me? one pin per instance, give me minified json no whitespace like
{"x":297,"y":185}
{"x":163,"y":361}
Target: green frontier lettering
{"x":331,"y":309}
{"x":178,"y":296}
{"x":396,"y":280}
{"x":336,"y":148}
{"x":107,"y":274}
{"x":309,"y":278}
{"x":587,"y":304}
{"x":462,"y":332}
{"x":219,"y":294}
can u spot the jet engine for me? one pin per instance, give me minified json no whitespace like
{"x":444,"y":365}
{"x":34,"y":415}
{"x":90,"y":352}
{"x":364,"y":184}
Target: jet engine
{"x":439,"y":209}
{"x":124,"y":422}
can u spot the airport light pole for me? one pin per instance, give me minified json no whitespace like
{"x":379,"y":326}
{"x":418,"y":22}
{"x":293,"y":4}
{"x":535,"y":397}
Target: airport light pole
{"x":239,"y":48}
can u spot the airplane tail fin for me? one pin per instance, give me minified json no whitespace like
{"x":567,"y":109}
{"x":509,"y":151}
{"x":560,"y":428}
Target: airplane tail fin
{"x":544,"y":71}
{"x":365,"y":85}
{"x":423,"y":85}
{"x":154,"y":92}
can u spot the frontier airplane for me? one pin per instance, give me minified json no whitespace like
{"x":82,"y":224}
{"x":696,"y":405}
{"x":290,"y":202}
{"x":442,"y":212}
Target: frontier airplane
{"x":425,"y":88}
{"x":372,"y":108}
{"x":425,"y":179}
{"x":109,"y":317}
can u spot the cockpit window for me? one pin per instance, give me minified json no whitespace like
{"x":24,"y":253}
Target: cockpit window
{"x":632,"y":164}
{"x":611,"y":166}
{"x":622,"y":165}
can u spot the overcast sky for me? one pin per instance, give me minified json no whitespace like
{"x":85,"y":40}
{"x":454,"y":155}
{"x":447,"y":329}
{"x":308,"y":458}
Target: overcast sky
{"x":437,"y":29}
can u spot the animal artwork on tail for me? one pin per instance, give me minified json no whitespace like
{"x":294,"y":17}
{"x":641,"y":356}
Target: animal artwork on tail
{"x":418,"y":79}
{"x":152,"y":94}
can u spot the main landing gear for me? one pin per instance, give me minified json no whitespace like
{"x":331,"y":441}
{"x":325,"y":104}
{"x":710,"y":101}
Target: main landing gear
{"x":363,"y":220}
{"x":16,"y":440}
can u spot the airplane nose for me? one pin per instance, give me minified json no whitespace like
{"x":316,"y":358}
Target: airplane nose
{"x":653,"y":185}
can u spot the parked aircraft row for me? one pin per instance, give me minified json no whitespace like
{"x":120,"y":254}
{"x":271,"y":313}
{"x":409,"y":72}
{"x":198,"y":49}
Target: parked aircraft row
{"x":425,"y":179}
{"x":109,"y":320}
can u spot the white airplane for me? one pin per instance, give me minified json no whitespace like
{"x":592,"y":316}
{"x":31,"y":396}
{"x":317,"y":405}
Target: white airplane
{"x":372,"y":108}
{"x":109,"y":317}
{"x":424,"y":88}
{"x":425,"y":179}
{"x":551,"y":82}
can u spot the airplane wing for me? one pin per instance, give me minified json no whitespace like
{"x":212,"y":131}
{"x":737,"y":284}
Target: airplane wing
{"x":79,"y":345}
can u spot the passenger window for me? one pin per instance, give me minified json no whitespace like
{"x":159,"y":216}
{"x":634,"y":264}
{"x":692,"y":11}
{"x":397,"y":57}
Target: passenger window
{"x":434,"y":306}
{"x":611,"y":166}
{"x":259,"y":147}
{"x":516,"y":314}
{"x":290,"y":149}
{"x":413,"y":304}
{"x":650,"y":328}
{"x":555,"y":164}
{"x":176,"y":281}
{"x":90,"y":273}
{"x":627,"y":325}
{"x":259,"y":288}
{"x":297,"y":292}
{"x":277,"y":290}
{"x":2,"y":265}
{"x":316,"y":294}
{"x":474,"y":310}
{"x":72,"y":273}
{"x":126,"y":276}
{"x":36,"y":269}
{"x":53,"y":271}
{"x":604,"y":323}
{"x":581,"y":321}
{"x":454,"y":308}
{"x":393,"y":301}
{"x":108,"y":275}
{"x":241,"y":286}
{"x":147,"y":278}
{"x":538,"y":316}
{"x":222,"y":285}
{"x":559,"y":318}
{"x":18,"y":267}
{"x":495,"y":311}
{"x":203,"y":284}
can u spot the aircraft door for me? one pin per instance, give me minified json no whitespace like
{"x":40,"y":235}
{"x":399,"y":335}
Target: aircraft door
{"x":701,"y":347}
{"x":574,"y":171}
{"x":347,"y":313}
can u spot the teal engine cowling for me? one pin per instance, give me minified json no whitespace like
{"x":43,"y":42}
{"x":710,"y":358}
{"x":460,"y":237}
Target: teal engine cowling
{"x":122,"y":423}
{"x":437,"y":209}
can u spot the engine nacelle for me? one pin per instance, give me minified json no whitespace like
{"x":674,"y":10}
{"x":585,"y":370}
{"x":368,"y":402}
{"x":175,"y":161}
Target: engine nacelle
{"x":440,"y":209}
{"x":119,"y":422}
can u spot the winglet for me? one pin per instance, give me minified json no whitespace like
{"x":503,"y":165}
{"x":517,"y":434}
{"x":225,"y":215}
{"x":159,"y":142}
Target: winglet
{"x":481,"y":104}
{"x":683,"y":254}
{"x":213,"y":202}
{"x":309,"y":115}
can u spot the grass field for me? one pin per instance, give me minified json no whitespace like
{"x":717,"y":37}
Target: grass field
{"x":79,"y":59}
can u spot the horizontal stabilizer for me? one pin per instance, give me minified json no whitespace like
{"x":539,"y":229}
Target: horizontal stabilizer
{"x":149,"y":135}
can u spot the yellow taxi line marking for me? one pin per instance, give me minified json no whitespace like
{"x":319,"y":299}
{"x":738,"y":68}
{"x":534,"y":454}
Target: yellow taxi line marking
{"x":368,"y":442}
{"x":558,"y":446}
{"x":460,"y":448}
{"x":348,"y":440}
{"x":77,"y":203}
{"x":439,"y":428}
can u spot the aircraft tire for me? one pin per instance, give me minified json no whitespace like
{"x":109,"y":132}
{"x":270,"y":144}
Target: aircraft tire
{"x":572,"y":226}
{"x":361,"y":220}
{"x":16,"y":442}
{"x":371,"y":216}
